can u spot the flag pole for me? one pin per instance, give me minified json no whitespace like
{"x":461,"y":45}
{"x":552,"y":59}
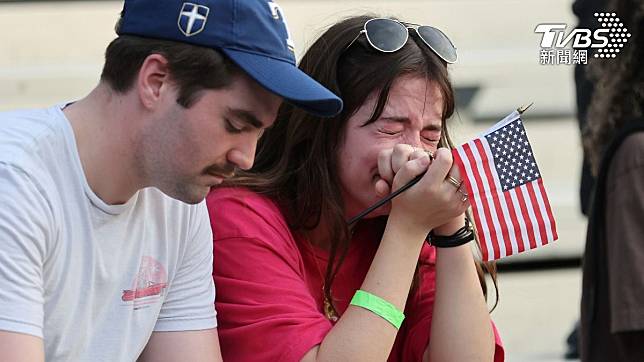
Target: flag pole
{"x":524,"y":108}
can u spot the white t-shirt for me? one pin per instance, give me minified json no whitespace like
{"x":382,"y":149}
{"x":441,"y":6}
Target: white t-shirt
{"x":93,"y":280}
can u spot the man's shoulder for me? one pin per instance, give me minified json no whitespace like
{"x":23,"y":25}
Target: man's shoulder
{"x":24,"y":133}
{"x":153,"y":203}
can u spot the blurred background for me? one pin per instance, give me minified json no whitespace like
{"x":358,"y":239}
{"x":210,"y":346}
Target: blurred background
{"x":52,"y":51}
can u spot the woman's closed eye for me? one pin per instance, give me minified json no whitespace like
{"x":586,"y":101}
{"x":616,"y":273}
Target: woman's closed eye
{"x":431,"y":136}
{"x":390,"y":129}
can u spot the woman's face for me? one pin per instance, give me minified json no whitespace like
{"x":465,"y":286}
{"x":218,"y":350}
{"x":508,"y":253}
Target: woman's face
{"x":411,"y":116}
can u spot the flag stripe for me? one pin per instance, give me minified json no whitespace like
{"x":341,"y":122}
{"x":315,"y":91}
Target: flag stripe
{"x":493,"y":221}
{"x":538,"y":215}
{"x":487,"y":158}
{"x":488,"y":224}
{"x":551,"y":218}
{"x":526,"y":216}
{"x":533,"y":220}
{"x":544,"y":213}
{"x":472,"y":189}
{"x":525,"y":234}
{"x":515,"y":221}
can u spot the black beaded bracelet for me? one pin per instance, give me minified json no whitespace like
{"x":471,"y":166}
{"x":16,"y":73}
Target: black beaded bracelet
{"x":460,"y":237}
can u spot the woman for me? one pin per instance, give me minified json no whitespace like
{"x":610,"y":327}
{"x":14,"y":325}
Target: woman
{"x":612,"y":312}
{"x":295,"y":282}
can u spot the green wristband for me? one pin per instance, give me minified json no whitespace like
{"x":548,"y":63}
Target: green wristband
{"x":378,"y":306}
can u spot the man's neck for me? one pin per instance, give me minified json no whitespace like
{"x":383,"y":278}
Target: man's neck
{"x":105,"y":132}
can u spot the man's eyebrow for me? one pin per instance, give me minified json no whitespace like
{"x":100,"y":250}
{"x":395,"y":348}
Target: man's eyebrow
{"x":247,"y":117}
{"x":431,"y":127}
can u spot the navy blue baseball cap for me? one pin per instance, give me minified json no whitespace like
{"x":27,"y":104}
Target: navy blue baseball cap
{"x":253,"y":33}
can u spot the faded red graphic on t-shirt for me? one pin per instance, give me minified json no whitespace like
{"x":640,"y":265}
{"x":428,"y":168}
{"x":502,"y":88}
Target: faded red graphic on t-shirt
{"x":151,"y":280}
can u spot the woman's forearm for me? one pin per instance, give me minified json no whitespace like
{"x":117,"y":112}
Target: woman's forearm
{"x":461,"y":328}
{"x":361,"y":335}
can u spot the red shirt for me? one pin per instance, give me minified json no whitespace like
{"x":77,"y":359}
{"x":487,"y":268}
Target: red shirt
{"x":269,"y":290}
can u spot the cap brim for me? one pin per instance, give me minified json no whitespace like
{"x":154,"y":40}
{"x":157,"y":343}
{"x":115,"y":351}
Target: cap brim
{"x":289,"y":82}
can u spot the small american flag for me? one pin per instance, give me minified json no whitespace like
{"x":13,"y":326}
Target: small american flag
{"x":509,"y":202}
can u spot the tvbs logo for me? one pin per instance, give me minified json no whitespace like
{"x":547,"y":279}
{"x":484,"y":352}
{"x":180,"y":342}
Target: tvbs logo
{"x":608,"y":39}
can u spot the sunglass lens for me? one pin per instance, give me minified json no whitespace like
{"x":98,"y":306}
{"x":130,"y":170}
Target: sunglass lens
{"x":438,"y":42}
{"x":386,"y":35}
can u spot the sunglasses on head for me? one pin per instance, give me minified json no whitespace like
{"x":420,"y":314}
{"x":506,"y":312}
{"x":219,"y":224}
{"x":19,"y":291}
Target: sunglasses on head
{"x":388,"y":36}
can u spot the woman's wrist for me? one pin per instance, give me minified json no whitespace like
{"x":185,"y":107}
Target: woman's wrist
{"x":460,"y":237}
{"x":402,"y":222}
{"x":451,"y":227}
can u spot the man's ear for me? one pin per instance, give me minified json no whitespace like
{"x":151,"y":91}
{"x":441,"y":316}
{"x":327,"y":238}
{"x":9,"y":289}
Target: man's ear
{"x":153,"y":79}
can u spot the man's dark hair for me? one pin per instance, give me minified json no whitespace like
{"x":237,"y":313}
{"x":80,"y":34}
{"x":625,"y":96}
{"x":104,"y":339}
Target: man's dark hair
{"x":192,"y":68}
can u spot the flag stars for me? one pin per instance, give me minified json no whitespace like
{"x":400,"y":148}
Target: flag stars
{"x":512,"y":156}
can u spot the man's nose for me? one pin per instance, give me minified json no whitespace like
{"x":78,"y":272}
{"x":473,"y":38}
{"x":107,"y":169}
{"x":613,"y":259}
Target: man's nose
{"x":243,"y":156}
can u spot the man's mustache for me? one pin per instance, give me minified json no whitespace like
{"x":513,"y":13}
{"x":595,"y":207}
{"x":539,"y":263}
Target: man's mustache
{"x":226,"y":171}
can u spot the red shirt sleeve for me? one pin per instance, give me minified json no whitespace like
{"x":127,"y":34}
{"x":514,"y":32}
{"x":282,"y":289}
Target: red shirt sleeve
{"x":414,"y":334}
{"x":264,"y":308}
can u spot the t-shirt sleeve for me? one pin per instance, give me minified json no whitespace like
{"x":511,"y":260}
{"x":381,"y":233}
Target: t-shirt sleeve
{"x":266,"y":311}
{"x":413,"y":337}
{"x":625,"y":241}
{"x":25,"y":220}
{"x":189,"y":304}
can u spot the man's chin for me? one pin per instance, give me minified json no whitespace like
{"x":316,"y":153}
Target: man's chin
{"x":190,"y":195}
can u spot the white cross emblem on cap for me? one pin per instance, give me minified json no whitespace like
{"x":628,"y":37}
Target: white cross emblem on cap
{"x":196,"y":18}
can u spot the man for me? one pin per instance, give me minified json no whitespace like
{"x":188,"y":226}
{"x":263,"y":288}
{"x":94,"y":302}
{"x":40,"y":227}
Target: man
{"x":105,"y":243}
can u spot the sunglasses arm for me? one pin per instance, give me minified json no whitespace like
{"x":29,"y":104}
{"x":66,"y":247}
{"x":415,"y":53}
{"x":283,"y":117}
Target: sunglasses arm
{"x":356,"y":38}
